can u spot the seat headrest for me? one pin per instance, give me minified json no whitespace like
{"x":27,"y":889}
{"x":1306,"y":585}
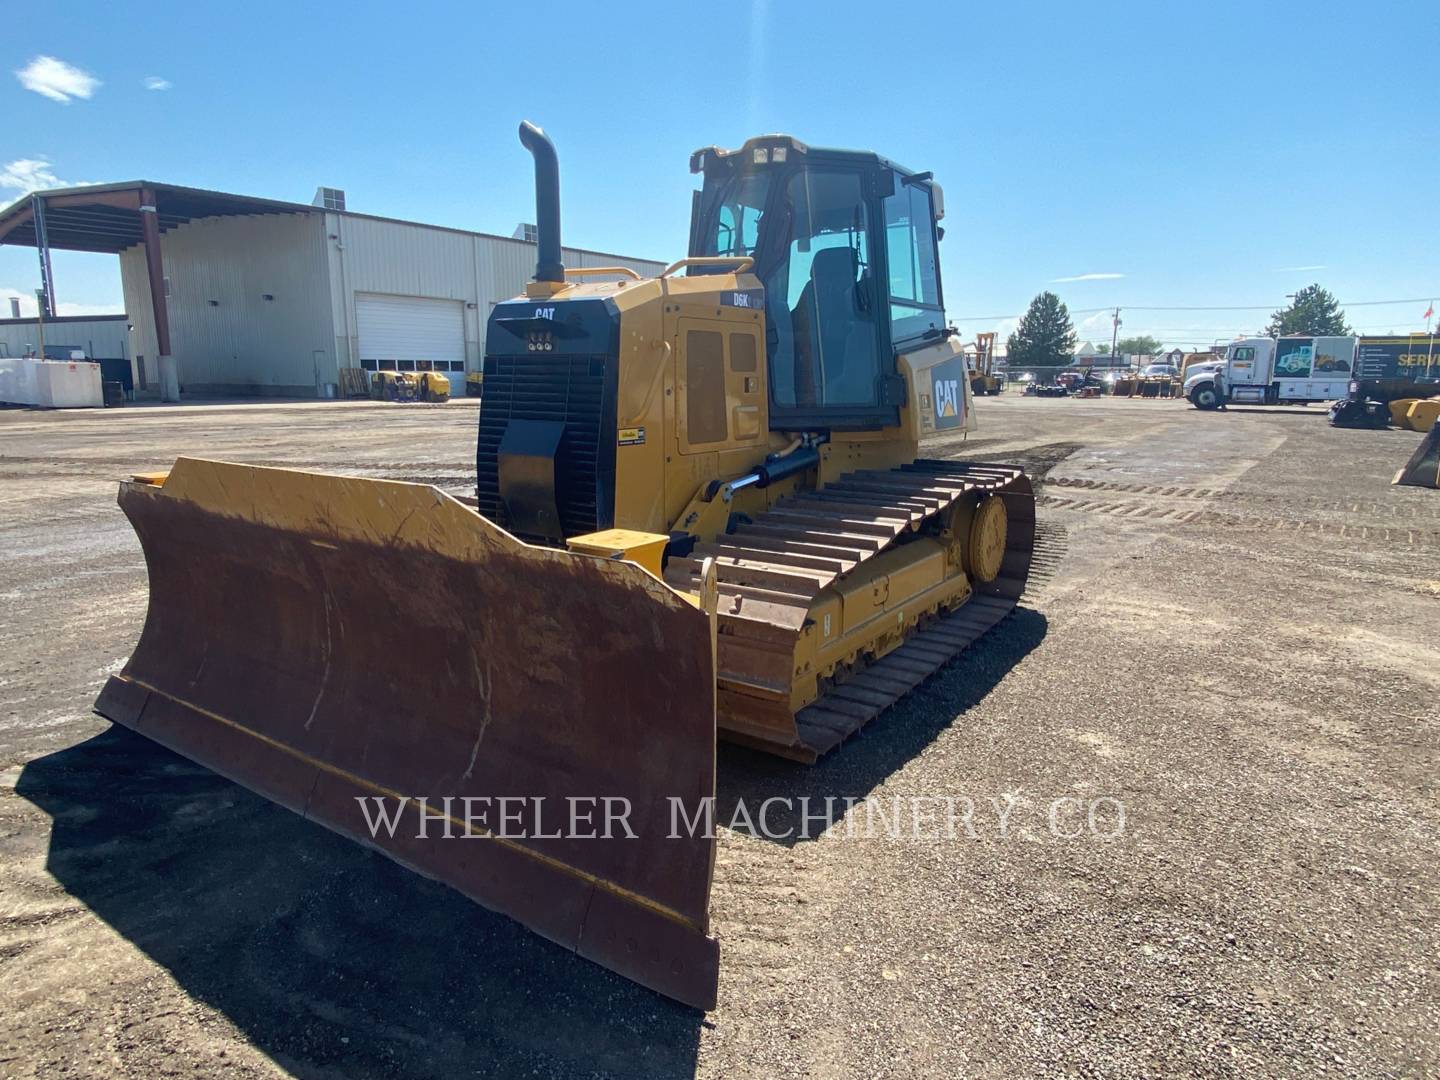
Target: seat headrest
{"x":835,"y":264}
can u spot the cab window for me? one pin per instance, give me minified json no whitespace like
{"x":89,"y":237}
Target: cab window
{"x":915,"y":307}
{"x":824,"y":346}
{"x":737,"y":218}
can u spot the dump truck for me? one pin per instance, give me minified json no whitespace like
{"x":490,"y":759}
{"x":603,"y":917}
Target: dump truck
{"x":699,"y":511}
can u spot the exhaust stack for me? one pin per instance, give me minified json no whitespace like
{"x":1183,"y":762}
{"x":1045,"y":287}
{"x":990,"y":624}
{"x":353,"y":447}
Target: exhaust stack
{"x":548,"y":266}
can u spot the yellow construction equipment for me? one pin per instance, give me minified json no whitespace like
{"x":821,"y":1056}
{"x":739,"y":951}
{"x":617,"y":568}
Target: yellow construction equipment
{"x":1422,"y":414}
{"x":699,"y":508}
{"x":983,"y":378}
{"x":1423,"y":468}
{"x":432,"y":386}
{"x":1400,"y":409}
{"x":392,"y":386}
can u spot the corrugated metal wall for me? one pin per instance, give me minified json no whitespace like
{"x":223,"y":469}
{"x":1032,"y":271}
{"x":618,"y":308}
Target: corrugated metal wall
{"x":313,"y":265}
{"x":401,"y":259}
{"x":243,"y":343}
{"x":102,"y":339}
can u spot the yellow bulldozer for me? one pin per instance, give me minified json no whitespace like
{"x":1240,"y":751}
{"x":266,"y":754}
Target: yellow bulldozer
{"x":699,"y":510}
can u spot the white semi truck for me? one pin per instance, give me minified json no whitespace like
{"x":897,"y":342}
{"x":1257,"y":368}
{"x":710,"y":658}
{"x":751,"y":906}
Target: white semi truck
{"x":1296,"y":370}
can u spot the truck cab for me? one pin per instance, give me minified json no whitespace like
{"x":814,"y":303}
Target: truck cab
{"x":1278,"y":371}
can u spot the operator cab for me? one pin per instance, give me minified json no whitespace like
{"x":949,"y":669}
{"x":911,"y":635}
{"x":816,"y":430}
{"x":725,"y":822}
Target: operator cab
{"x":845,"y":244}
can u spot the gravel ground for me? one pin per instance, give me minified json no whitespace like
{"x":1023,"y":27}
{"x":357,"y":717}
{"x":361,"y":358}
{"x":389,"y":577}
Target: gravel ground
{"x":1231,"y":634}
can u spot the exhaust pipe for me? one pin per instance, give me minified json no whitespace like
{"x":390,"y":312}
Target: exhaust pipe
{"x":548,"y":266}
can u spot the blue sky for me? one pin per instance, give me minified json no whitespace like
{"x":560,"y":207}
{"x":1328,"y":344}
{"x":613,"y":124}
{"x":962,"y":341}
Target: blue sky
{"x":1203,"y":151}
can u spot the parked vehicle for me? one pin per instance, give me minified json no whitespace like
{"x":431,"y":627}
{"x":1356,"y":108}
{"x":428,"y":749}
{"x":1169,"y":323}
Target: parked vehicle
{"x":432,"y":386}
{"x":392,"y":386}
{"x":1299,"y":370}
{"x":1390,"y":368}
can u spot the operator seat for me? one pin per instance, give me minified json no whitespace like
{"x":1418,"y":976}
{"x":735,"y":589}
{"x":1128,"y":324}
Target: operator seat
{"x":829,"y":313}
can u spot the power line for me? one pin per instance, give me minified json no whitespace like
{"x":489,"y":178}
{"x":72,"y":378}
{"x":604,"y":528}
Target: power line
{"x":1136,"y":330}
{"x":1183,"y":307}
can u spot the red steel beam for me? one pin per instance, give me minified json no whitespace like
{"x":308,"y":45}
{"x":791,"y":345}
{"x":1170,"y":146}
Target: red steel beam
{"x":150,"y":228}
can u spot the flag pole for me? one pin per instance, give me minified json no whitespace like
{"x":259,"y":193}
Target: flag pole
{"x":1430,"y":355}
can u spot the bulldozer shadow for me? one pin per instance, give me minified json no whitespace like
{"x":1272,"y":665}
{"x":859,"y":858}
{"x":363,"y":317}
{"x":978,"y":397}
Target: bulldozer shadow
{"x":333,"y":960}
{"x":798,"y":809}
{"x":328,"y":957}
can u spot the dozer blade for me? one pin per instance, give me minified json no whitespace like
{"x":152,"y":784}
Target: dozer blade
{"x":329,"y":641}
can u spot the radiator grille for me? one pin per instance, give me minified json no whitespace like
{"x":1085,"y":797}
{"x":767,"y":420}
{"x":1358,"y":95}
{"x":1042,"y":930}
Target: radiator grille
{"x":580,"y":392}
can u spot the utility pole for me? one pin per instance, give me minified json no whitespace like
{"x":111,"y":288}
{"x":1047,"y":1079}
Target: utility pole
{"x":40,"y":318}
{"x":1114,"y":335}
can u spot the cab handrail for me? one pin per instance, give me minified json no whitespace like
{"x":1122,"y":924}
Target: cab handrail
{"x":592,"y":271}
{"x":740,"y":262}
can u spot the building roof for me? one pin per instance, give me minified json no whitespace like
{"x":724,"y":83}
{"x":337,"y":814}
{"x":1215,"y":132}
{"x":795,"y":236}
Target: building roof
{"x":52,"y":319}
{"x":105,"y":217}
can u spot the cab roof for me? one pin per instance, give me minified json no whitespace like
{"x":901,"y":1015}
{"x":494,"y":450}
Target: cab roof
{"x":788,"y":145}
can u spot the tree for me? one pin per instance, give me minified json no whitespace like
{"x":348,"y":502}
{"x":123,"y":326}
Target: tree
{"x":1314,"y":311}
{"x":1102,"y":349}
{"x":1140,"y":345}
{"x":1045,"y":336}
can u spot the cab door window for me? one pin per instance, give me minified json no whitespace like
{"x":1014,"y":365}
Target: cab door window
{"x":824,"y":343}
{"x":916,"y":311}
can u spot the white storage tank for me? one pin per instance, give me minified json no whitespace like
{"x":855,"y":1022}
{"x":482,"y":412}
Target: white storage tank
{"x":51,"y":384}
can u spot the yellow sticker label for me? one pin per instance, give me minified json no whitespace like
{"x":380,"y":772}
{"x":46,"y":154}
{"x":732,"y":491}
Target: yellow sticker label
{"x":632,"y":436}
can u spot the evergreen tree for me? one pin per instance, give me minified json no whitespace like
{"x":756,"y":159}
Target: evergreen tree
{"x":1045,"y":337}
{"x":1314,"y":312}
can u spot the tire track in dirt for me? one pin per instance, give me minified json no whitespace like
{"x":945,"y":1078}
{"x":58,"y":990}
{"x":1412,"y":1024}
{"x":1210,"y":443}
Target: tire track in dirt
{"x":1384,"y":534}
{"x":1415,"y":511}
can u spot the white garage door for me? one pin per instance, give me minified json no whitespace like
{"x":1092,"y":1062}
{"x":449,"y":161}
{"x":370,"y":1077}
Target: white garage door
{"x":410,"y":333}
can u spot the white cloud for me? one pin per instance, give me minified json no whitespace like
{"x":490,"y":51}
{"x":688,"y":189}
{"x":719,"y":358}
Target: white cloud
{"x":33,"y":174}
{"x":1087,"y":277}
{"x":1002,"y":330}
{"x":155,"y":82}
{"x":1298,"y":269}
{"x":57,"y":80}
{"x":29,"y":307}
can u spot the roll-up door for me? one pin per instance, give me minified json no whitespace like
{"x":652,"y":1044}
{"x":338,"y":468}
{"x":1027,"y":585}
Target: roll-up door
{"x":410,"y":333}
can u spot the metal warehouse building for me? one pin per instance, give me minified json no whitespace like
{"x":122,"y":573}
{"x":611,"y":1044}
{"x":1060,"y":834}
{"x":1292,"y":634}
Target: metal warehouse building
{"x":230,"y":294}
{"x":95,"y":335}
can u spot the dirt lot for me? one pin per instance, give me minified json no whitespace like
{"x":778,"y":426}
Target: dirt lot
{"x":1233,"y":633}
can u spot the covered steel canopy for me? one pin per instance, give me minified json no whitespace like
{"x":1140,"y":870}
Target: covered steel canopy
{"x":109,"y":218}
{"x":106,"y":218}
